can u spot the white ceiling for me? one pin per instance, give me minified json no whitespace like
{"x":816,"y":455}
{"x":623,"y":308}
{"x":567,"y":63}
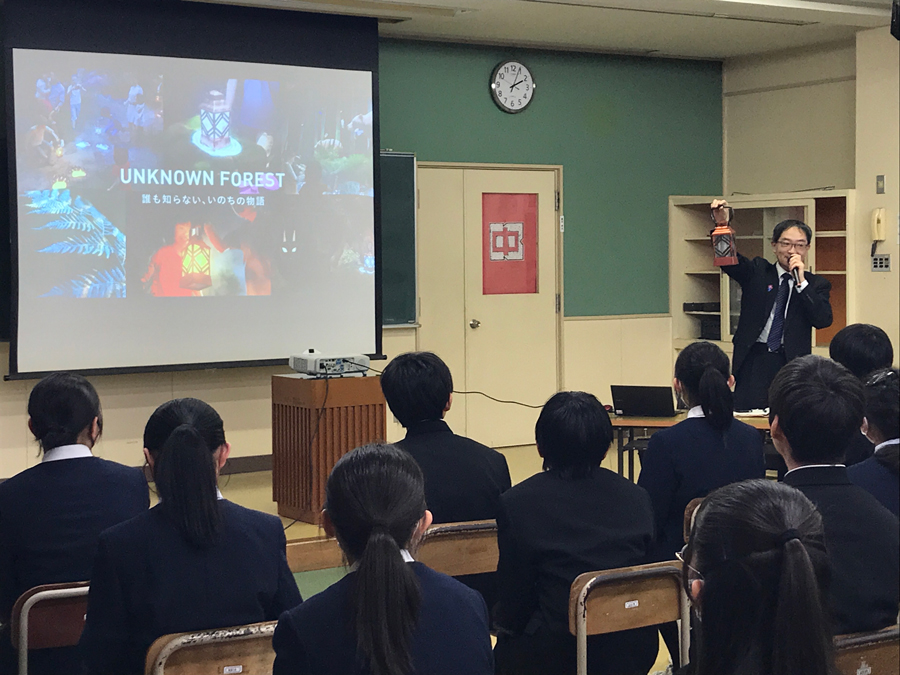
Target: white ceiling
{"x":709,"y":29}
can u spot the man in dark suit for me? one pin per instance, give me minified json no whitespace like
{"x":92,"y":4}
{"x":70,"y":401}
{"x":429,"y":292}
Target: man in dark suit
{"x":815,"y":407}
{"x":777,"y":313}
{"x":463,"y":479}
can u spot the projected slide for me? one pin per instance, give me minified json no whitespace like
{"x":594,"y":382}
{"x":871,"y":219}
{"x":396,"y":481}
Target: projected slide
{"x":141,"y":179}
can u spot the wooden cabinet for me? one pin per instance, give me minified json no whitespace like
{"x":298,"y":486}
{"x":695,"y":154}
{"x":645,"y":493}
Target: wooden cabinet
{"x":713,"y":299}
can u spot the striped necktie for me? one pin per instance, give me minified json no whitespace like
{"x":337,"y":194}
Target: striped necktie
{"x":777,"y":329}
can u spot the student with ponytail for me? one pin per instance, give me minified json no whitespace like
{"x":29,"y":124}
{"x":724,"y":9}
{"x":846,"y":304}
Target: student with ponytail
{"x":707,"y":450}
{"x":390,"y":615}
{"x":756,"y":569}
{"x":52,"y":514}
{"x":195,"y":561}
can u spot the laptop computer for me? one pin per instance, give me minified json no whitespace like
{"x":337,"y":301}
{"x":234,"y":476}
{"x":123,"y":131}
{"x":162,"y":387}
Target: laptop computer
{"x":639,"y":401}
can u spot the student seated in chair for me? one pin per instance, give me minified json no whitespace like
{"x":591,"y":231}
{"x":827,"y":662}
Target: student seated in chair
{"x":195,"y":561}
{"x":816,"y":406}
{"x":390,"y":615}
{"x":862,"y":349}
{"x":704,"y":452}
{"x":756,"y":569}
{"x":572,"y":518}
{"x":879,"y":474}
{"x":52,"y":514}
{"x":463,"y":479}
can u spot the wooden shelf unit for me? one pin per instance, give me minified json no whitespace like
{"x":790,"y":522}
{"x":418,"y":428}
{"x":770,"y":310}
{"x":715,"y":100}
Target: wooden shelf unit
{"x":694,"y":278}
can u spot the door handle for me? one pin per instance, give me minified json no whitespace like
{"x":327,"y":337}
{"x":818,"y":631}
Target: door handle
{"x":474,"y":323}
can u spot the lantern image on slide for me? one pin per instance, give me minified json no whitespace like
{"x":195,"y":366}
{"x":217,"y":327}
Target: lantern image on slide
{"x":215,"y":121}
{"x":195,"y":263}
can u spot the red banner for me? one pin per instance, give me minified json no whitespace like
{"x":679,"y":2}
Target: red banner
{"x":509,"y":243}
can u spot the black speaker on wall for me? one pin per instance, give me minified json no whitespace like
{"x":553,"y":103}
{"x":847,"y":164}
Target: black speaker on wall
{"x":895,"y":19}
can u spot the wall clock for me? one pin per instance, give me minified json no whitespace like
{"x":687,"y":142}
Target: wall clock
{"x":512,"y":86}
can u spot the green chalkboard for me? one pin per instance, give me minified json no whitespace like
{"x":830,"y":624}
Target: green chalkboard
{"x":398,"y":238}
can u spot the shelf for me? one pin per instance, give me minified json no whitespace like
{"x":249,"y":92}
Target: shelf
{"x":739,"y":237}
{"x":703,"y":272}
{"x":821,"y":272}
{"x":829,"y":233}
{"x":704,"y":313}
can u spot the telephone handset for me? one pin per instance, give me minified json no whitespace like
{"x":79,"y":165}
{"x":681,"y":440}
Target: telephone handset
{"x":879,"y":226}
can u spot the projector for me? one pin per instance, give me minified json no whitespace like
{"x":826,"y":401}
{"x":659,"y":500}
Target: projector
{"x":312,"y":362}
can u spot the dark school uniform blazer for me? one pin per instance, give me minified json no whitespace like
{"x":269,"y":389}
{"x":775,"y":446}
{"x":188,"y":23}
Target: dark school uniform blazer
{"x":863,"y":542}
{"x":451,"y":636}
{"x":550,"y":529}
{"x":808,"y":309}
{"x":51,"y":517}
{"x":858,"y":450}
{"x":879,"y":481}
{"x":463,"y":479}
{"x":148,"y":582}
{"x":690,"y":460}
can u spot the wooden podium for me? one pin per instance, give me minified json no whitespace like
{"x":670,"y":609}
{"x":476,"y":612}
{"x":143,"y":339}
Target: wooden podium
{"x":314,"y":423}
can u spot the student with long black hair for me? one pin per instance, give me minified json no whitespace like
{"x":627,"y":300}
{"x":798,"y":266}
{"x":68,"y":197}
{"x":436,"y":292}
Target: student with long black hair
{"x":193,"y":562}
{"x":756,"y":569}
{"x":880,"y":474}
{"x":52,"y":514}
{"x":707,"y":450}
{"x":390,"y":615}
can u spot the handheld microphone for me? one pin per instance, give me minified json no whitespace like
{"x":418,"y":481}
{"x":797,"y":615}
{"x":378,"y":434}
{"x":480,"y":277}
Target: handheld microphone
{"x":796,"y":275}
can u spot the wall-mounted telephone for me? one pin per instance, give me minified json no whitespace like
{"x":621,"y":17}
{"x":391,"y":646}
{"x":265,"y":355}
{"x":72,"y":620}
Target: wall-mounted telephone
{"x":879,"y":227}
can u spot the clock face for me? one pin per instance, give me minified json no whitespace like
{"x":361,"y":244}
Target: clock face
{"x":512,"y":86}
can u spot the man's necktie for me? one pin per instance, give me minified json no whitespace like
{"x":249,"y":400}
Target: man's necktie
{"x":777,"y":329}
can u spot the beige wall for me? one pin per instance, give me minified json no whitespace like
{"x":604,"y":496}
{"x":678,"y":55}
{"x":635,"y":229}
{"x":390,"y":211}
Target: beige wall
{"x":788,"y":120}
{"x":878,"y":152}
{"x":600,"y":351}
{"x":241,"y":395}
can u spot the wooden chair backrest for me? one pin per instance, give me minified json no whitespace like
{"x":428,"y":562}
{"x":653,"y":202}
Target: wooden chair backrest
{"x":689,"y":512}
{"x":460,"y":548}
{"x":315,"y":553}
{"x":52,"y":622}
{"x":875,"y":653}
{"x":242,"y":649}
{"x":628,"y":597}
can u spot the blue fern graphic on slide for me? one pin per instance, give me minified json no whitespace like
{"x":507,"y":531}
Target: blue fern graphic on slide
{"x":106,"y":284}
{"x":90,"y":233}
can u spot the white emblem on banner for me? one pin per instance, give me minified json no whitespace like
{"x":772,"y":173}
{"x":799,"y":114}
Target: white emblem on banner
{"x":506,"y":241}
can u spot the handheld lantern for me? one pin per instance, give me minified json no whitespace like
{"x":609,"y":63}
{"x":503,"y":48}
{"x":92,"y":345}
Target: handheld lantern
{"x":723,"y":241}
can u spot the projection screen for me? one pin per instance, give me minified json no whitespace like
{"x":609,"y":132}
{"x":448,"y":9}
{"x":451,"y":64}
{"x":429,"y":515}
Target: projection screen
{"x":180,"y":211}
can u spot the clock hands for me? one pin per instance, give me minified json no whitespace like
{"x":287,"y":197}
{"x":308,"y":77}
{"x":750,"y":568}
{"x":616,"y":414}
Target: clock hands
{"x":517,"y":83}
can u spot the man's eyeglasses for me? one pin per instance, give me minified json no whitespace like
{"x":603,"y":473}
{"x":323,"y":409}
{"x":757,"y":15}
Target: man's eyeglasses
{"x":784,"y":244}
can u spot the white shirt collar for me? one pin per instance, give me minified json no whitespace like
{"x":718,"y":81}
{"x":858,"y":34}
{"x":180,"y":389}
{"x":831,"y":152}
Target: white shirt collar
{"x":76,"y":451}
{"x":219,"y":493}
{"x":893,"y":441}
{"x":814,"y":466}
{"x":781,"y":271}
{"x":407,"y":557}
{"x":696,"y":411}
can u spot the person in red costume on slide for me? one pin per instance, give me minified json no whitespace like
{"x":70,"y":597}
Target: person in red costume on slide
{"x":164,"y":272}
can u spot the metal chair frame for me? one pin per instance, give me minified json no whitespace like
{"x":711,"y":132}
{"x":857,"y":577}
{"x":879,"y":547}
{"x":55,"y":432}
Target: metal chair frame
{"x":611,"y":577}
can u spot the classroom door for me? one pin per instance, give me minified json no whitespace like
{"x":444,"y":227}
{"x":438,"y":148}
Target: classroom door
{"x":511,"y":300}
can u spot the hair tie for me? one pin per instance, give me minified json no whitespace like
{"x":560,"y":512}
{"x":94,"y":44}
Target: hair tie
{"x":787,"y":536}
{"x":379,"y":528}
